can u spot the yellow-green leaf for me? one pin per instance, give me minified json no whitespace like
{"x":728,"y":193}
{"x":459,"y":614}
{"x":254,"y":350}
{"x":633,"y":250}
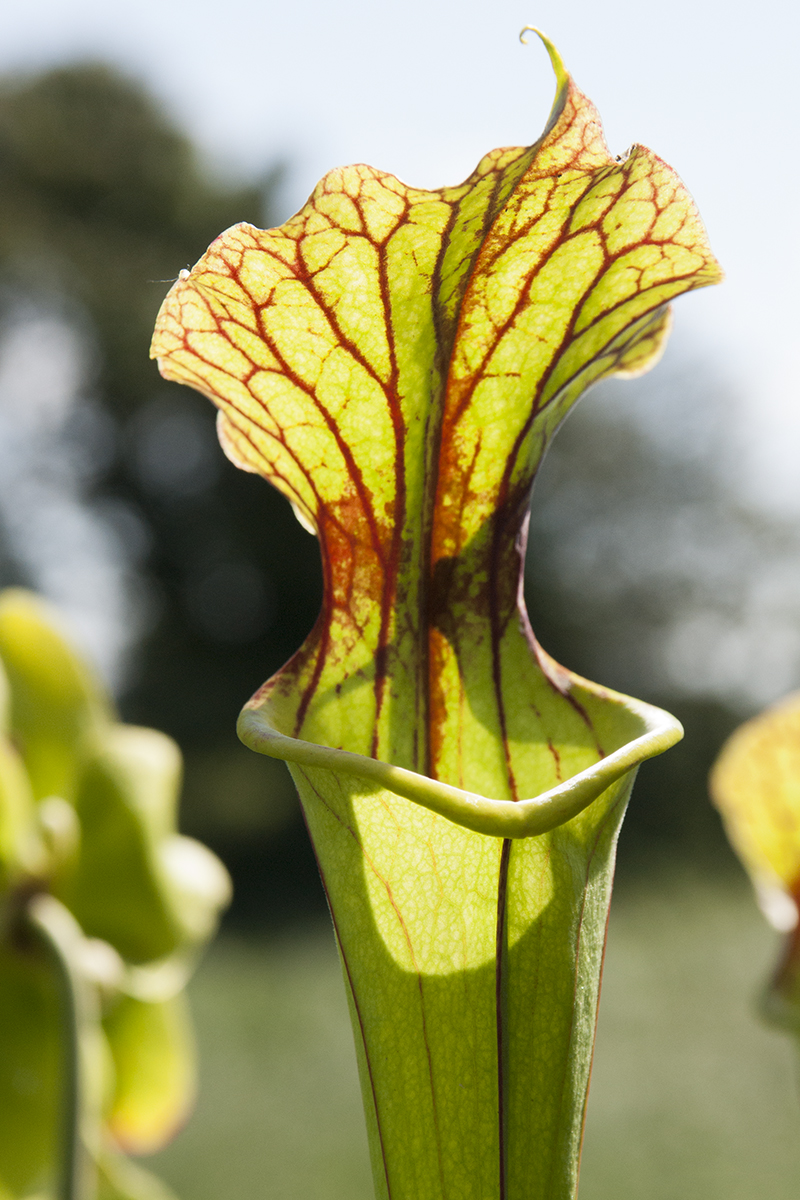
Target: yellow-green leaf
{"x":154,"y":1060}
{"x":31,"y":1079}
{"x":395,"y":361}
{"x":755,"y":783}
{"x":21,"y":849}
{"x":57,"y":704}
{"x":97,"y":830}
{"x":135,"y":882}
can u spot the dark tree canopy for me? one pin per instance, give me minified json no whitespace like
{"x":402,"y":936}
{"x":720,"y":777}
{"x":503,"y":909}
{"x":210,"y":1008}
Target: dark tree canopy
{"x":102,"y":198}
{"x":102,"y":202}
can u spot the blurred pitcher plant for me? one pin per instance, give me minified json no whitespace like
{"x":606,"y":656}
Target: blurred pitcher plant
{"x":396,"y":361}
{"x":103,"y":910}
{"x":755,"y":784}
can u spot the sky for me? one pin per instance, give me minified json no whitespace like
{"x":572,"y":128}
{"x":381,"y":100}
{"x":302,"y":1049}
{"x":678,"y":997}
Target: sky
{"x":425,"y":87}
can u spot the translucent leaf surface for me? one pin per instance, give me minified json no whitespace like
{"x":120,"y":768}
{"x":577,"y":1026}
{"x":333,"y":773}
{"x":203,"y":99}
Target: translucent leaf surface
{"x":88,"y":845}
{"x":395,"y":361}
{"x":56,"y":702}
{"x":127,"y":885}
{"x":153,"y":1053}
{"x":21,"y":851}
{"x":755,"y":784}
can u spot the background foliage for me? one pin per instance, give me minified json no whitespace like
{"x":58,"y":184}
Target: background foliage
{"x":102,"y":202}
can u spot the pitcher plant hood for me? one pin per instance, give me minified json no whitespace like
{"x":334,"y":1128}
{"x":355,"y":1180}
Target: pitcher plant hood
{"x":395,"y":361}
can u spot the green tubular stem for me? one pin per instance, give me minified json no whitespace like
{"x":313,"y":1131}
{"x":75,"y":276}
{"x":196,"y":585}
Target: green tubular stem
{"x":52,"y":923}
{"x":496,"y":818}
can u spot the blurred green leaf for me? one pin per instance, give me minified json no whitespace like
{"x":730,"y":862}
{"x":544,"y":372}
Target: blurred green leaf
{"x":125,"y":801}
{"x":31,"y":1079}
{"x":120,"y":1179}
{"x":197,"y":883}
{"x":57,"y":704}
{"x":755,"y":783}
{"x":154,"y":1059}
{"x":135,"y":883}
{"x":21,"y":849}
{"x":102,"y":902}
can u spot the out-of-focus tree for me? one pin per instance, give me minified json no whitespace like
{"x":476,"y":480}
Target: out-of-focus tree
{"x":102,"y":199}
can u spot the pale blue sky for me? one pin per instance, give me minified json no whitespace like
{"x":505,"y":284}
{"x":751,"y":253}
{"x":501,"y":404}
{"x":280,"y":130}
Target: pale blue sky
{"x":424,"y":87}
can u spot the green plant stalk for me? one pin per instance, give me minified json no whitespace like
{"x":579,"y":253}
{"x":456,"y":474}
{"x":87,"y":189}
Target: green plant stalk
{"x":396,"y":361}
{"x":55,"y":927}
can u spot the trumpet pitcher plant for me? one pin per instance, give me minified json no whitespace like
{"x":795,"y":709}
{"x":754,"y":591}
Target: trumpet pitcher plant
{"x":395,"y":361}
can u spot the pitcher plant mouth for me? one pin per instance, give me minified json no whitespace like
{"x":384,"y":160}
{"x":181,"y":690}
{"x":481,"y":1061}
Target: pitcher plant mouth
{"x":482,"y":814}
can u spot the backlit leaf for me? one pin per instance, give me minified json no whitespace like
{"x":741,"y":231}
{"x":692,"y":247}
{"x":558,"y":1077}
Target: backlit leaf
{"x":395,"y":361}
{"x":755,"y":784}
{"x":135,"y":882}
{"x":89,"y":846}
{"x":56,"y":702}
{"x":21,"y":851}
{"x":153,"y":1053}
